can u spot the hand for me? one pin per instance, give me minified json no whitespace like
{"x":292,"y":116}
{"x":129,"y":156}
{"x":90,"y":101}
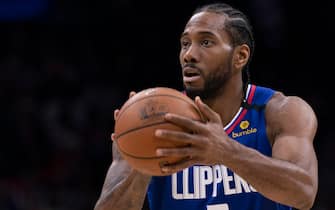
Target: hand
{"x":120,"y":164}
{"x":117,"y":111}
{"x":117,"y":158}
{"x":208,"y":144}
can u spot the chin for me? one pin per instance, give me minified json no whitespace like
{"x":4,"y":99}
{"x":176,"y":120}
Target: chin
{"x":192,"y":92}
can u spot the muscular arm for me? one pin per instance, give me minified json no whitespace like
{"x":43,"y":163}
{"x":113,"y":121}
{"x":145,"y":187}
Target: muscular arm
{"x":124,"y":188}
{"x":290,"y":176}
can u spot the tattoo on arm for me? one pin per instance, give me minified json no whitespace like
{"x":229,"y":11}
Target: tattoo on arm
{"x":116,"y":153}
{"x":124,"y":188}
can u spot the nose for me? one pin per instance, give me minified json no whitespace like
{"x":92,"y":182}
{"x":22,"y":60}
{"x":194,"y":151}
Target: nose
{"x":191,"y":55}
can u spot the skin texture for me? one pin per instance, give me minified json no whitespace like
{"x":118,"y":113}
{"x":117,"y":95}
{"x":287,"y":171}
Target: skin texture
{"x":290,"y":176}
{"x":124,"y":188}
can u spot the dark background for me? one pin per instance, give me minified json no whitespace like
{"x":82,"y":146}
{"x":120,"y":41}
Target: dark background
{"x":66,"y":65}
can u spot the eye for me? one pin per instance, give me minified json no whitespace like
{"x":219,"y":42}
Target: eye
{"x":184,"y":43}
{"x":206,"y":43}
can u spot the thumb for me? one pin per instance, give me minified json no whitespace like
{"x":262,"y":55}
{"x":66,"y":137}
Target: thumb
{"x":207,"y":112}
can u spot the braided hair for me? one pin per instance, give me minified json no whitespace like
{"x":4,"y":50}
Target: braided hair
{"x":238,"y":26}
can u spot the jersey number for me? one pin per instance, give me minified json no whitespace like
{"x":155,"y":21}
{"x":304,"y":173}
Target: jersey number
{"x":218,"y":207}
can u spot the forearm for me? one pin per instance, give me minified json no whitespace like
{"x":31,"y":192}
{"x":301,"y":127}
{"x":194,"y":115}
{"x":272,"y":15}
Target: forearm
{"x":123,"y":192}
{"x":276,"y":179}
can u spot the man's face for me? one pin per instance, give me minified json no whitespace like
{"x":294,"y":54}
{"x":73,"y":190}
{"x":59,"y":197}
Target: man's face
{"x":205,"y":55}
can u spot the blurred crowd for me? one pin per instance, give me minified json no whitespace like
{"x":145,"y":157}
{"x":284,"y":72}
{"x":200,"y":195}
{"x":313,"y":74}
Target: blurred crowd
{"x":63,"y":71}
{"x":56,"y":122}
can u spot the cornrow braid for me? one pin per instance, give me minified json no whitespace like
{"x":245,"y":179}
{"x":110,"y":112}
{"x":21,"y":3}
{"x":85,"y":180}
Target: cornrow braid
{"x":238,"y":26}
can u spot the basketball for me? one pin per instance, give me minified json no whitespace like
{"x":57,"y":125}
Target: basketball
{"x":137,"y":121}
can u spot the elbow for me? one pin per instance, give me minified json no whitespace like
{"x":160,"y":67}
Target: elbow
{"x":307,"y":193}
{"x":306,"y":204}
{"x":307,"y":198}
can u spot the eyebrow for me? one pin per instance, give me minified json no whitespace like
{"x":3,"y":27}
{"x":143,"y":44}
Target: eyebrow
{"x":200,"y":32}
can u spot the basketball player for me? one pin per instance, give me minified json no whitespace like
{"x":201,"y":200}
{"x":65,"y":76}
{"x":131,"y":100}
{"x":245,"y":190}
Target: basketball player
{"x":255,"y":150}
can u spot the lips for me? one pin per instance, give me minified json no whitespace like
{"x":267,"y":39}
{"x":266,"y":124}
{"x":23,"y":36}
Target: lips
{"x":191,"y":74}
{"x":191,"y":79}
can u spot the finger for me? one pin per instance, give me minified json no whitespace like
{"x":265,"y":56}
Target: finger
{"x":132,"y":93}
{"x":183,"y":163}
{"x":176,"y":151}
{"x":116,"y":113}
{"x":207,"y":111}
{"x":186,"y":123}
{"x":179,"y":136}
{"x":113,"y":136}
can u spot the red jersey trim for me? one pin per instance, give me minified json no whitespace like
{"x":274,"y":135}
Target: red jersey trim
{"x":242,"y":112}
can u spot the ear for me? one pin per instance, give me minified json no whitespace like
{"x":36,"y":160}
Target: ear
{"x":241,"y":56}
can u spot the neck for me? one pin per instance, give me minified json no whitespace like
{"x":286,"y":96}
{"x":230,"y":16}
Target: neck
{"x":228,"y":102}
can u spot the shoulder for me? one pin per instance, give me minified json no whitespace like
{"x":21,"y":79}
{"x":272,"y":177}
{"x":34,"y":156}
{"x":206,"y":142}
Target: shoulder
{"x":280,"y":102}
{"x":289,"y":115}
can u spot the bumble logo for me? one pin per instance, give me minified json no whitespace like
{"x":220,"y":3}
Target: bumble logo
{"x":244,"y":125}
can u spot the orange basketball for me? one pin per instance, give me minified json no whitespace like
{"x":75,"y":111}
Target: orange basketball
{"x":137,"y":121}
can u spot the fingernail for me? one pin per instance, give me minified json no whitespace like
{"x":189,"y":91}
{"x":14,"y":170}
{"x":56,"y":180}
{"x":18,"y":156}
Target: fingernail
{"x":168,"y":116}
{"x":159,"y":152}
{"x":158,"y":132}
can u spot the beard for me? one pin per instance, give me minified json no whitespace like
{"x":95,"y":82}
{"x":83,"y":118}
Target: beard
{"x":213,"y":83}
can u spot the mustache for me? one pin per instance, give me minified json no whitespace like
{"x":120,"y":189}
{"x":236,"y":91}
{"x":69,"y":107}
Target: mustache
{"x":194,"y":66}
{"x":190,"y":65}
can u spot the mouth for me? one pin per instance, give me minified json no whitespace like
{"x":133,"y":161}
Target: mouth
{"x":191,"y":74}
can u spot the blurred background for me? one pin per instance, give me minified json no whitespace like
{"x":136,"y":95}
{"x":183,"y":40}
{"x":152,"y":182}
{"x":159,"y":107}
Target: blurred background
{"x":66,"y":65}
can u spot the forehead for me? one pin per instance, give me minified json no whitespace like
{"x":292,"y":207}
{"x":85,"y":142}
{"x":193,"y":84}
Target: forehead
{"x":205,"y":21}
